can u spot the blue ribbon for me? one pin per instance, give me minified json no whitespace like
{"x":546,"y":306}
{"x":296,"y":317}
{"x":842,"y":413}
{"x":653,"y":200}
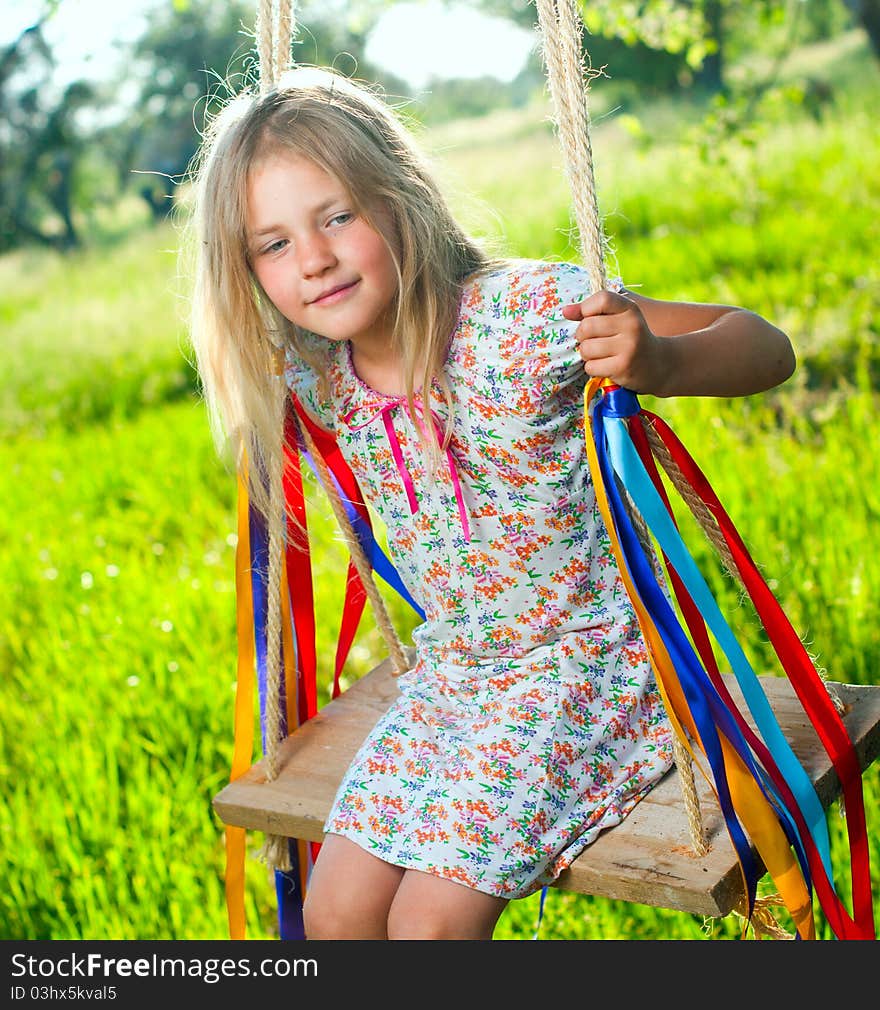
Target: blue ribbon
{"x":681,"y":654}
{"x":259,"y":549}
{"x":635,"y":478}
{"x":289,"y":896}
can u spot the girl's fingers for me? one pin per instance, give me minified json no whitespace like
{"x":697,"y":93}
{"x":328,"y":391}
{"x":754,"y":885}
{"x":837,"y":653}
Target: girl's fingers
{"x":597,"y":326}
{"x":594,"y":348}
{"x":600,"y":304}
{"x":601,"y":367}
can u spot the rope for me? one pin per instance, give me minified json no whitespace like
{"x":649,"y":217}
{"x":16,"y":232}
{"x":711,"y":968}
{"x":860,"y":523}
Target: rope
{"x":681,"y":755}
{"x":698,"y":507}
{"x":763,"y":922}
{"x":283,"y":36}
{"x":684,"y":763}
{"x":275,"y":852}
{"x":703,"y":514}
{"x":274,"y":31}
{"x":273,"y":616}
{"x":562,"y":31}
{"x":265,"y":52}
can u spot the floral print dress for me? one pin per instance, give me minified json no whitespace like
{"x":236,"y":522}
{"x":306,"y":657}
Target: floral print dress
{"x":530,"y":721}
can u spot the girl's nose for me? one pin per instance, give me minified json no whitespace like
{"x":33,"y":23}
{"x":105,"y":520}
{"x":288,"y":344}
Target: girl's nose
{"x":316,"y":255}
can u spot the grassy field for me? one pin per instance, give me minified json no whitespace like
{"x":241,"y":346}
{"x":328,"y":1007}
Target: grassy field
{"x":117,"y":638}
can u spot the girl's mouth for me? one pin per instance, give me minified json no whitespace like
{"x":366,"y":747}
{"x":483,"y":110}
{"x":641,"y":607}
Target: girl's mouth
{"x":335,"y":294}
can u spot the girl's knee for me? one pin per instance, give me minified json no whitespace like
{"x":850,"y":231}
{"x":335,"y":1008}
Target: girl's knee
{"x":421,"y":926}
{"x":432,"y":923}
{"x":334,"y":919}
{"x":316,"y":918}
{"x":431,"y":908}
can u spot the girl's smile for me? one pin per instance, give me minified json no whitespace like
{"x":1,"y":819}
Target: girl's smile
{"x":335,"y":294}
{"x":323,"y":266}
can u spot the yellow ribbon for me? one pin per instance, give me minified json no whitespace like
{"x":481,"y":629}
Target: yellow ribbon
{"x":243,"y":746}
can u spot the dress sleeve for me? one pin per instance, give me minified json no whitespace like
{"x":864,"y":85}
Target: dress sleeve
{"x":302,"y":381}
{"x":525,"y":354}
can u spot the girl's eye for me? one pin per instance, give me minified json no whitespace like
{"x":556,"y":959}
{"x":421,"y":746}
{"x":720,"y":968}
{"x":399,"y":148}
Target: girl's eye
{"x":275,"y":246}
{"x":342,"y":218}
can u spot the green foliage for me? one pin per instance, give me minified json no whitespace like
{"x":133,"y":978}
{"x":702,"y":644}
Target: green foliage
{"x":67,"y":155}
{"x":117,"y":632}
{"x":42,"y":147}
{"x":186,"y":62}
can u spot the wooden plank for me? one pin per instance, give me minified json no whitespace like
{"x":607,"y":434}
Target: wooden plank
{"x":647,"y":859}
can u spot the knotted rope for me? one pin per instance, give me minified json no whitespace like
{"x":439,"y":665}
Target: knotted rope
{"x":562,"y":31}
{"x":274,"y":34}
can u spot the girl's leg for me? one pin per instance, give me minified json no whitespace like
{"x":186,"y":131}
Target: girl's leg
{"x":426,"y":907}
{"x":349,"y":894}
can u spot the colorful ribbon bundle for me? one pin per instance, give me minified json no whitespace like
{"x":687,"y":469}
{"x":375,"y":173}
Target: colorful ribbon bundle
{"x":762,"y":789}
{"x":298,"y":687}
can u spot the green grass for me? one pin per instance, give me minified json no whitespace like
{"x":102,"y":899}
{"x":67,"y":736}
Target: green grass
{"x":117,"y":623}
{"x":92,"y":338}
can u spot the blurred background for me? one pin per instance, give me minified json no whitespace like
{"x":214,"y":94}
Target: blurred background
{"x":736,"y":153}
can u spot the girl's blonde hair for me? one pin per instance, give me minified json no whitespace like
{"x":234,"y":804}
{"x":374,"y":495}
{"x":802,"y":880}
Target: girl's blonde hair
{"x":238,"y":336}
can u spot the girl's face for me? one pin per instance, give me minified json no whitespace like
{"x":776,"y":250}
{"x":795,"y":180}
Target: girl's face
{"x":323,"y":267}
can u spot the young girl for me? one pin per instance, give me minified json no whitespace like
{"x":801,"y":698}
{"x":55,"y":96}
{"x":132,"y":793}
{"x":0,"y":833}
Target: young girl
{"x":453,"y":383}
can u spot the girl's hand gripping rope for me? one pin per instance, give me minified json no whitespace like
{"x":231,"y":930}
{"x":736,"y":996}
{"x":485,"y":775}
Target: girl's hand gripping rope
{"x":615,"y":341}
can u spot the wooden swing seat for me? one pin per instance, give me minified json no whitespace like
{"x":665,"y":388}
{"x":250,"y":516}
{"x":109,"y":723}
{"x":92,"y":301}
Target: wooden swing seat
{"x":648,"y":859}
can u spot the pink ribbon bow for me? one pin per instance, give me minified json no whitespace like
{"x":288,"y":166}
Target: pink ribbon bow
{"x":384,"y":407}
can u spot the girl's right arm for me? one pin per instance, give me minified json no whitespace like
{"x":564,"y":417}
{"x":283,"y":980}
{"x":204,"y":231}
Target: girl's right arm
{"x":665,"y":348}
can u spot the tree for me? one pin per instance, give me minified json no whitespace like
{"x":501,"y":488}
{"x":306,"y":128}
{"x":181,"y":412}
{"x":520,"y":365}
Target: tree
{"x":42,"y":145}
{"x":695,"y":31}
{"x":191,"y":57}
{"x":867,"y":14}
{"x":178,"y":64}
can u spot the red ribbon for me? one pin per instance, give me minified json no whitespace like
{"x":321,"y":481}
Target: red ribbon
{"x":299,"y":580}
{"x":355,"y":594}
